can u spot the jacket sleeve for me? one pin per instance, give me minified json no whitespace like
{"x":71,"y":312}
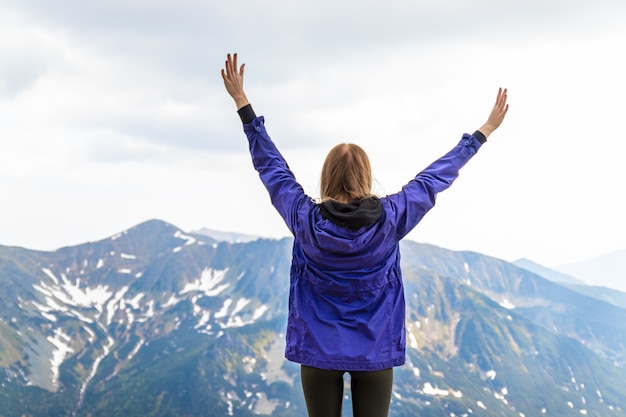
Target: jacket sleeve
{"x":285,"y":192}
{"x":418,"y":196}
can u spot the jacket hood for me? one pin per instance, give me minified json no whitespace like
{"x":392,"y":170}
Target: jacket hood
{"x":354,"y":215}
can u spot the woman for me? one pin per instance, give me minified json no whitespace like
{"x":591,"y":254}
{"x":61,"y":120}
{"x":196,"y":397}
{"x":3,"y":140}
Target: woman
{"x":346,"y":300}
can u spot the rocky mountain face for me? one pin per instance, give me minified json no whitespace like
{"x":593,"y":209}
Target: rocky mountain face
{"x":156,"y":321}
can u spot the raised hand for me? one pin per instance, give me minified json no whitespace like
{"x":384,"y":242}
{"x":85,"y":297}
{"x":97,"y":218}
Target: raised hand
{"x":497,"y":113}
{"x":233,"y":80}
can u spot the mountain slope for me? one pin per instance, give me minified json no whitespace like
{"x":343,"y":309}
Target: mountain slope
{"x":593,"y":322}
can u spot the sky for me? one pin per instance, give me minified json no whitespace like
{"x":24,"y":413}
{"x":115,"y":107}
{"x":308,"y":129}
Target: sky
{"x":114,"y":113}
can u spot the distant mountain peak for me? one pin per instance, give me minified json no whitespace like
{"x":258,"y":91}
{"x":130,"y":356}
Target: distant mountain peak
{"x":153,"y":226}
{"x":230,"y":237}
{"x":606,"y":270}
{"x":547,"y":273}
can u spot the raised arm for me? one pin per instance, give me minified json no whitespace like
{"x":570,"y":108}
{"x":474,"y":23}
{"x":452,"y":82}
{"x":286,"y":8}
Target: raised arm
{"x":497,"y":114}
{"x":418,"y":196}
{"x":233,"y":81}
{"x":285,"y":192}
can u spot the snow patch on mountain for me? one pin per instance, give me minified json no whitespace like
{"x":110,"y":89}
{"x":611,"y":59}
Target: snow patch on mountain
{"x":134,"y":302}
{"x":50,"y":275}
{"x":241,"y":303}
{"x":259,"y":312}
{"x":233,"y":319}
{"x":113,"y":305}
{"x":61,"y":343}
{"x":62,"y":293}
{"x":172,"y":301}
{"x":96,"y":364}
{"x":190,"y":240}
{"x":274,"y":356}
{"x":224,"y":310}
{"x":429,"y":389}
{"x":119,"y":235}
{"x":207,"y":283}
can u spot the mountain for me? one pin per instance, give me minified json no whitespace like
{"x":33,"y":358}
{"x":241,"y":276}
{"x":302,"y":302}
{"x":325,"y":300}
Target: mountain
{"x":603,"y":271}
{"x":157,"y":321}
{"x":547,"y":273}
{"x":221,"y":236}
{"x":615,"y":297}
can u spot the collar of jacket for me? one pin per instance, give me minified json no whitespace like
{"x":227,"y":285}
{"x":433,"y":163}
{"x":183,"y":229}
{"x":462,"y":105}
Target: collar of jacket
{"x":353,"y":215}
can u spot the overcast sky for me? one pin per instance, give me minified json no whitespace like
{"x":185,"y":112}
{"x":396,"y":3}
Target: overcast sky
{"x":114,"y":112}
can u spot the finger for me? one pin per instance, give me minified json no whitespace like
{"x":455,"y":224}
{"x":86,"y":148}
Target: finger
{"x":501,"y":99}
{"x":229,"y":64}
{"x":504,"y":106}
{"x":227,"y":71}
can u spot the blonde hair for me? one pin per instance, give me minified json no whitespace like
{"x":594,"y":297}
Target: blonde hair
{"x":346,"y":174}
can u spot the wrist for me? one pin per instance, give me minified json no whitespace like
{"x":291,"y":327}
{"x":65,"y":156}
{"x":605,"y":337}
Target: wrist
{"x":241,"y":101}
{"x":486,"y":130}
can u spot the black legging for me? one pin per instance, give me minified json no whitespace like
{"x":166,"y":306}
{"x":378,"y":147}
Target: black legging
{"x":323,"y":392}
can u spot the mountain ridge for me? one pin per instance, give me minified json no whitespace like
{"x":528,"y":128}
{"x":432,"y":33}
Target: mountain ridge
{"x":547,"y":273}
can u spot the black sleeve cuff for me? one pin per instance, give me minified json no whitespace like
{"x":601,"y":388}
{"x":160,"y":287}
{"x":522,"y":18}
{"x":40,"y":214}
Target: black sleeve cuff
{"x":246,"y":113}
{"x":479,"y":135}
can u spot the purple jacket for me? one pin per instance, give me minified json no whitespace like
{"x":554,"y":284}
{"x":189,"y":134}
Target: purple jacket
{"x":346,"y":299}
